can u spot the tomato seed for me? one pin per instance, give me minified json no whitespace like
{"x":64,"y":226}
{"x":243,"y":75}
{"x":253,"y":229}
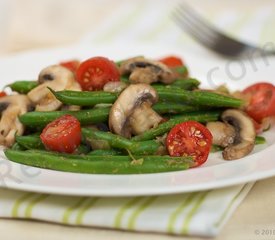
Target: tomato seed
{"x":202,"y":143}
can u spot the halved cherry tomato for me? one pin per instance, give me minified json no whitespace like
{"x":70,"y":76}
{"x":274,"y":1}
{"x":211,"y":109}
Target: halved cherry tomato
{"x":95,"y":72}
{"x":71,"y":65}
{"x":262,"y":101}
{"x":172,"y":61}
{"x":3,"y":94}
{"x":258,"y":127}
{"x":190,"y":139}
{"x":62,"y":134}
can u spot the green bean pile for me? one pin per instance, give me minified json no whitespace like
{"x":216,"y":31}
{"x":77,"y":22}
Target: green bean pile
{"x":144,"y":153}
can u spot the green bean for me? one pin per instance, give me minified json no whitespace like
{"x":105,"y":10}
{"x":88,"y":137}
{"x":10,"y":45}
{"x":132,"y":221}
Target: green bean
{"x":124,"y":79}
{"x":181,"y":70}
{"x":186,"y":84}
{"x":101,"y":152}
{"x":23,"y":87}
{"x":90,"y":98}
{"x":84,"y":98}
{"x":30,"y":142}
{"x":201,"y":116}
{"x":216,"y":148}
{"x":260,"y":140}
{"x":99,"y":164}
{"x":118,"y":63}
{"x":168,"y":107}
{"x":116,"y":141}
{"x":40,"y":119}
{"x":17,"y":146}
{"x":82,"y":149}
{"x":34,"y":142}
{"x":149,"y":147}
{"x":202,"y":98}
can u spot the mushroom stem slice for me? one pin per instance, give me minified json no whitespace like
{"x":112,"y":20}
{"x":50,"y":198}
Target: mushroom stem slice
{"x":144,"y":118}
{"x":223,"y":133}
{"x":126,"y":104}
{"x":49,"y":103}
{"x":244,"y":140}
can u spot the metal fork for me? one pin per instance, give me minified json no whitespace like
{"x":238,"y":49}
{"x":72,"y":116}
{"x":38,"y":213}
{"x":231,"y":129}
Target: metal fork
{"x":212,"y":38}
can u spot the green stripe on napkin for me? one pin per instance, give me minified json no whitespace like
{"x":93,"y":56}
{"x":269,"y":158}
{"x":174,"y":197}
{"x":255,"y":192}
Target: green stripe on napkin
{"x":200,"y":213}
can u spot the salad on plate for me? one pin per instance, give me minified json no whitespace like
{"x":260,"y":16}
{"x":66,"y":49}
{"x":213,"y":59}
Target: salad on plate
{"x":137,"y":115}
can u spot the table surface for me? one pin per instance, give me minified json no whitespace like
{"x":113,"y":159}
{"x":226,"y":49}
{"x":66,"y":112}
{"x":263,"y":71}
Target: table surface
{"x":253,"y":218}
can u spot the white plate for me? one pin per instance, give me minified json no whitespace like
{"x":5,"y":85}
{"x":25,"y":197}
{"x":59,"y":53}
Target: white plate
{"x":214,"y":174}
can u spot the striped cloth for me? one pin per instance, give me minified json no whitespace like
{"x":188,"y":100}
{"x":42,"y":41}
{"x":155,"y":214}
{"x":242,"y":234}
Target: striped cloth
{"x":197,"y":213}
{"x":148,"y":22}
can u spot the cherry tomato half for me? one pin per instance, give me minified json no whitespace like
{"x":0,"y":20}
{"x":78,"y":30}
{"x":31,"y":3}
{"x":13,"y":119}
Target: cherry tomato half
{"x":262,"y":100}
{"x":71,"y":65}
{"x":172,"y":61}
{"x":190,"y":139}
{"x":3,"y":94}
{"x":62,"y":134}
{"x":95,"y":72}
{"x":258,"y":127}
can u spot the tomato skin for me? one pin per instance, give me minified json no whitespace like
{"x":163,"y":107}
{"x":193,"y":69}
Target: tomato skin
{"x":262,"y":101}
{"x":72,"y":65}
{"x":172,"y":61}
{"x":258,"y":127}
{"x":3,"y":94}
{"x":62,"y":134}
{"x":190,"y":139}
{"x":95,"y":72}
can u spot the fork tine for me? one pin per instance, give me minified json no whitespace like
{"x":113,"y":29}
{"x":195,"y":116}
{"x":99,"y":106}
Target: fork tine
{"x":206,"y":35}
{"x":197,"y":20}
{"x":193,"y":30}
{"x":210,"y":36}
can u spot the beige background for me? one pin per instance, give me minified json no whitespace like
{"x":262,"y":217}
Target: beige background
{"x":47,"y":23}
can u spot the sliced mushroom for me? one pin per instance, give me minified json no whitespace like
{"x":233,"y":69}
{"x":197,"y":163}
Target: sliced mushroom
{"x":244,"y":140}
{"x":144,"y":118}
{"x":114,"y":87}
{"x":11,"y":108}
{"x":223,"y":133}
{"x":56,"y":77}
{"x":132,"y":112}
{"x":236,"y":134}
{"x":142,"y":70}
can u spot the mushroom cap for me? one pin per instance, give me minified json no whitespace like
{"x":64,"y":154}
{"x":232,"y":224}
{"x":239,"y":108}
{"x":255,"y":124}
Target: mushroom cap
{"x":143,"y":70}
{"x":130,"y":99}
{"x":11,"y":107}
{"x":55,"y":73}
{"x":57,"y":78}
{"x":244,"y":140}
{"x":20,"y":100}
